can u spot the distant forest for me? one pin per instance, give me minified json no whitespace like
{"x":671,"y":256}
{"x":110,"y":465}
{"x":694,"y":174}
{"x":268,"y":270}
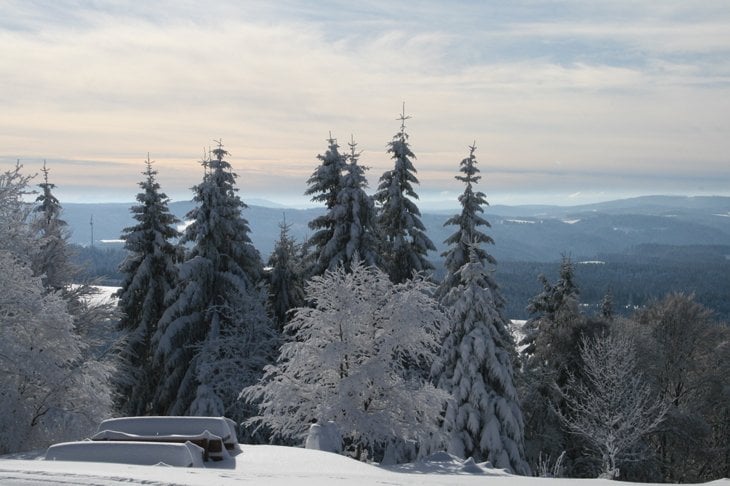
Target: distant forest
{"x":634,"y":278}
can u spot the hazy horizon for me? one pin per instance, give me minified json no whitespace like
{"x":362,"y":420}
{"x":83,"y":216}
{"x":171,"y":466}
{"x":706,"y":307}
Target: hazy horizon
{"x":424,"y":205}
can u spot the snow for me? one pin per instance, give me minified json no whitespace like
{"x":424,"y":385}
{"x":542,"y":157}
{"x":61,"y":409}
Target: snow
{"x":142,"y":453}
{"x":275,"y":466}
{"x":154,"y":426}
{"x":519,"y":221}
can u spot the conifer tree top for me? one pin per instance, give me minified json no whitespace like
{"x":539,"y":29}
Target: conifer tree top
{"x":469,"y":220}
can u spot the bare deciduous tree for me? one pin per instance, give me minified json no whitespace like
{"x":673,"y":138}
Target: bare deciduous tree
{"x":610,"y":405}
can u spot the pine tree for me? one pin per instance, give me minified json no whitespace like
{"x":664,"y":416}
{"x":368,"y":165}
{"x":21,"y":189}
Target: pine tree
{"x":286,"y":281}
{"x":149,"y":273}
{"x":52,"y":260}
{"x":348,"y":228}
{"x":468,"y":235}
{"x":216,"y":297}
{"x":483,"y":420}
{"x":404,"y":235}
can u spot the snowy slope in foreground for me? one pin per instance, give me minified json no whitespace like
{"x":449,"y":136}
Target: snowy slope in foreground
{"x":272,"y":466}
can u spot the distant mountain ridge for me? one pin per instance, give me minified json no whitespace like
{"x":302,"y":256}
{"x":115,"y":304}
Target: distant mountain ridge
{"x":522,"y":233}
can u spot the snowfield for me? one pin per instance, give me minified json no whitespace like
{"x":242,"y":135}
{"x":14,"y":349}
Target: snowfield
{"x":272,"y":466}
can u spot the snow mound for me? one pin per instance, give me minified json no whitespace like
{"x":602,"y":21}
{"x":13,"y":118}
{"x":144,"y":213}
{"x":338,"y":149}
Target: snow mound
{"x":137,"y":453}
{"x":445,"y":463}
{"x":171,"y":425}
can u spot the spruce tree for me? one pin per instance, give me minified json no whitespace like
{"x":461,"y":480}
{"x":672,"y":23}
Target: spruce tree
{"x":406,"y":245}
{"x":52,"y":260}
{"x":468,"y":237}
{"x":353,"y":218}
{"x":149,"y":272}
{"x":286,"y":281}
{"x":324,"y":186}
{"x":216,"y":302}
{"x":555,"y":307}
{"x":483,"y":420}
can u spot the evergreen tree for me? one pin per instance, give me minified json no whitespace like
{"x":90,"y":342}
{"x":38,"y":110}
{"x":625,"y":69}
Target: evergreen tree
{"x":607,"y":306}
{"x":149,"y":272}
{"x":52,"y":260}
{"x":406,"y":245}
{"x":468,"y":235}
{"x":353,"y":218}
{"x":556,"y":306}
{"x":215,"y":297}
{"x":324,"y":186}
{"x":483,"y":420}
{"x":286,"y":281}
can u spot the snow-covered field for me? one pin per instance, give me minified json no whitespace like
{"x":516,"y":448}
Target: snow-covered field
{"x":270,"y":466}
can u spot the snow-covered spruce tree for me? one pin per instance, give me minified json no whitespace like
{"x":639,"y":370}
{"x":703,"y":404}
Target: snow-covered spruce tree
{"x":52,"y":260}
{"x":345,"y":362}
{"x":324,"y":186}
{"x":611,"y":406}
{"x":468,"y":235}
{"x":49,"y":391}
{"x":556,"y":315}
{"x":483,"y":420}
{"x":286,"y":280}
{"x":405,"y":243}
{"x":216,"y":300}
{"x":352,"y":221}
{"x":553,"y":308}
{"x":149,"y":272}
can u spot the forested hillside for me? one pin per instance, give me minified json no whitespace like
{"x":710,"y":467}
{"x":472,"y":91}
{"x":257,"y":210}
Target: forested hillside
{"x":645,"y":247}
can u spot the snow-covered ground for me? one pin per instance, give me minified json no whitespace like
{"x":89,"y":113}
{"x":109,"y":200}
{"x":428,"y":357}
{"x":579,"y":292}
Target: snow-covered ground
{"x":271,"y":466}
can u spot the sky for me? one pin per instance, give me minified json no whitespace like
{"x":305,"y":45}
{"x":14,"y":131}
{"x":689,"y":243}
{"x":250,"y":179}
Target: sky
{"x":568,"y":102}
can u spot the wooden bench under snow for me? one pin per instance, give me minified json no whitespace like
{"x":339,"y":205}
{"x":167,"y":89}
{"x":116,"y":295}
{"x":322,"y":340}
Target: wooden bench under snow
{"x":212,"y":445}
{"x":139,"y":453}
{"x":168,"y":426}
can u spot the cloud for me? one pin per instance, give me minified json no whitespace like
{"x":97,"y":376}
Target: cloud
{"x":610,"y":93}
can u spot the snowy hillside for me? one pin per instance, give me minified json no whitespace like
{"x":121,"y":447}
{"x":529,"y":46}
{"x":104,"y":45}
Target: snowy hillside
{"x":273,"y":466}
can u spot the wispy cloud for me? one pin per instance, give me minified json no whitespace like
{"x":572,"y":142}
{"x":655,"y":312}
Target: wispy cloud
{"x":633,"y":89}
